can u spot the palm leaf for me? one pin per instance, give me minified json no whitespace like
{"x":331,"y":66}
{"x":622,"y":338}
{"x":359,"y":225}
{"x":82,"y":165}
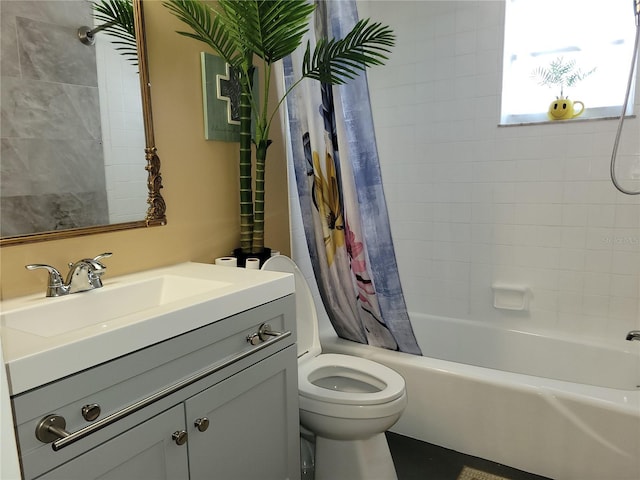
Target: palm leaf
{"x":560,"y":73}
{"x":207,"y":27}
{"x":118,"y":19}
{"x":336,"y":61}
{"x":272,"y":29}
{"x":578,"y":75}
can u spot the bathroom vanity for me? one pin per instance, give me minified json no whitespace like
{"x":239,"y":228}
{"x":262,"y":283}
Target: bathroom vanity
{"x":210,"y":392}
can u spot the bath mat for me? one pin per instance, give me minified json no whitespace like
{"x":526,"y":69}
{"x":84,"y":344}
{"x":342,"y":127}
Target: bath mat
{"x":473,"y":474}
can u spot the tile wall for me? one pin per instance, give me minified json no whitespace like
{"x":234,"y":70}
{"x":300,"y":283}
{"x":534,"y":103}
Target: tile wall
{"x":473,"y":204}
{"x":52,"y":166}
{"x":123,"y":133}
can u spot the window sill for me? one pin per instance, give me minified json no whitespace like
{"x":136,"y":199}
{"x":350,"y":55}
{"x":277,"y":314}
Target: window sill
{"x":541,"y":118}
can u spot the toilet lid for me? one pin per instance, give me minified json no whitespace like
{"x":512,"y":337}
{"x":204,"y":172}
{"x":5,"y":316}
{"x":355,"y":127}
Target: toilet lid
{"x":390,"y":383}
{"x":306,"y":319}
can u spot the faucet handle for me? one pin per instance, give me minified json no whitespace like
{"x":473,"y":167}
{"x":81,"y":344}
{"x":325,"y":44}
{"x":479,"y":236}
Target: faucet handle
{"x":98,"y":266}
{"x":101,"y":256}
{"x":95,"y":264}
{"x":54,"y":275}
{"x":55,"y":286}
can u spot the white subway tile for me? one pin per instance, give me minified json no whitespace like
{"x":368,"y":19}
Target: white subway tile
{"x":573,"y":259}
{"x":628,"y":216}
{"x":602,"y":215}
{"x":472,"y":203}
{"x":599,"y":238}
{"x":626,"y":263}
{"x":624,"y":308}
{"x":596,"y":305}
{"x":575,"y":215}
{"x":597,"y":283}
{"x":552,"y":169}
{"x":504,"y":234}
{"x":577,"y":169}
{"x":569,"y":302}
{"x":598,"y":261}
{"x":549,"y":236}
{"x":574,"y":237}
{"x":571,"y":281}
{"x":624,"y":285}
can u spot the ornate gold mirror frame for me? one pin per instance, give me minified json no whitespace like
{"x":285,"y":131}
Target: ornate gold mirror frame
{"x":156,"y":211}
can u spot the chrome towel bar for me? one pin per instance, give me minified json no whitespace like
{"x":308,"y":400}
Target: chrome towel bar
{"x":52,"y":427}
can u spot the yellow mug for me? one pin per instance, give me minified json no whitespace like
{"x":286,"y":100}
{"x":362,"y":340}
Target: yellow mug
{"x":564,"y":109}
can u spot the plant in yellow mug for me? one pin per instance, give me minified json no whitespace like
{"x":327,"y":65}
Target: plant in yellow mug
{"x":562,"y":74}
{"x":563,"y":109}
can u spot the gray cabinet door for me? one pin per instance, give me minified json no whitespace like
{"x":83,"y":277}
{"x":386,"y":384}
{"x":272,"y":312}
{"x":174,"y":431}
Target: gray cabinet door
{"x":146,"y":452}
{"x":253,"y":431}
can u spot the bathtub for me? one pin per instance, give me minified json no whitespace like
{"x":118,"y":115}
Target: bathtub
{"x":553,"y":407}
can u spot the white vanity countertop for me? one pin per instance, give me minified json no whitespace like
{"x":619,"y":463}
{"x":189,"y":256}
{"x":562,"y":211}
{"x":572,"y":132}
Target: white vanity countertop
{"x":33,"y":359}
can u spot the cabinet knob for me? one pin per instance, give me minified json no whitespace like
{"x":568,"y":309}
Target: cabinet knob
{"x":91,"y":412}
{"x":180,"y":437}
{"x":201,"y":424}
{"x":254,"y":338}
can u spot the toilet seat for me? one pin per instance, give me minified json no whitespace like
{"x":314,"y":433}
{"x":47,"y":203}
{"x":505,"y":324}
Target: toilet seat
{"x":386,"y":385}
{"x":369,"y":386}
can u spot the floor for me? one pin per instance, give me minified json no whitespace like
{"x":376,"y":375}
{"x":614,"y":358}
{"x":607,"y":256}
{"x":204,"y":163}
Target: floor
{"x":416,"y":460}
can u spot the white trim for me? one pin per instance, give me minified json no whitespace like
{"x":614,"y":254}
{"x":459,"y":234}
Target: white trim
{"x":597,"y":113}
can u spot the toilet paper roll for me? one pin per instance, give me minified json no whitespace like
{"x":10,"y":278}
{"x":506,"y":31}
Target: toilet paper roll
{"x":253,"y":263}
{"x":227,"y":261}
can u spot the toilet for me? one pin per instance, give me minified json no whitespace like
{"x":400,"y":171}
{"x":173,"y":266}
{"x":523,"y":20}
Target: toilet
{"x":347,"y":402}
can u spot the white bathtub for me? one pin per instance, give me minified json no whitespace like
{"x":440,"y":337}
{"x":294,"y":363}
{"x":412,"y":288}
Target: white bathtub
{"x":561,"y":409}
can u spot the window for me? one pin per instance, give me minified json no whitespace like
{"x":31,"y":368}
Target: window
{"x":592,"y":34}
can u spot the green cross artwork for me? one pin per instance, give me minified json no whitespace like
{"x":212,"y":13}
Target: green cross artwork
{"x":221,"y":94}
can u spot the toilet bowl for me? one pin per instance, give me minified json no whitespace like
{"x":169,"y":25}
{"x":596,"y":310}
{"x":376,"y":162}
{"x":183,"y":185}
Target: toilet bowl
{"x":347,"y":402}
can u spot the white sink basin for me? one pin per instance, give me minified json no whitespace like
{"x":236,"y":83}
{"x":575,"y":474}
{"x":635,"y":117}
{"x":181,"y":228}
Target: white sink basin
{"x":44,"y":339}
{"x":56,"y":316}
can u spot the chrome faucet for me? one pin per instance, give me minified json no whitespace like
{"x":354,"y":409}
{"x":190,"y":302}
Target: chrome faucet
{"x":633,"y":335}
{"x":83,"y":275}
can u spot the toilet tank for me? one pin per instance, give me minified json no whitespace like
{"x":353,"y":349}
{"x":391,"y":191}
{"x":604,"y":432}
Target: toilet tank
{"x":306,"y":318}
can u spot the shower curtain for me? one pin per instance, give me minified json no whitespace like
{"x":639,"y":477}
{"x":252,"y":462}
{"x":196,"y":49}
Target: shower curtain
{"x":342,"y":200}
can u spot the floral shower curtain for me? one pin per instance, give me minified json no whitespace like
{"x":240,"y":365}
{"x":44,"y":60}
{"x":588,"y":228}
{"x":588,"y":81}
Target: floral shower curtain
{"x":342,"y":200}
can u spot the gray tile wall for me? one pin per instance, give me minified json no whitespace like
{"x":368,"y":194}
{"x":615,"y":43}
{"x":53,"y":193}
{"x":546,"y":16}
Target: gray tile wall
{"x":52,"y":173}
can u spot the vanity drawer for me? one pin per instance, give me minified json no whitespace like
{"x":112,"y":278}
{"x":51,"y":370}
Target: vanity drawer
{"x":213,"y":352}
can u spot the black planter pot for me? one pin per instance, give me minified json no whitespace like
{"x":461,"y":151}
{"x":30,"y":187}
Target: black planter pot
{"x":242,"y":257}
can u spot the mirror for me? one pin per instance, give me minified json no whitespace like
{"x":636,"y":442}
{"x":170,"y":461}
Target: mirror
{"x":72,"y":163}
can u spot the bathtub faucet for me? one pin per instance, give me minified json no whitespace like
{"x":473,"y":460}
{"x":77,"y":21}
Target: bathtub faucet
{"x":633,"y":335}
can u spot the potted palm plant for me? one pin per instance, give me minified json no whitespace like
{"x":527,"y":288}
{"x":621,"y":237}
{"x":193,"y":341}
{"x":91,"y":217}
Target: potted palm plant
{"x":266,"y":31}
{"x":561,"y":74}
